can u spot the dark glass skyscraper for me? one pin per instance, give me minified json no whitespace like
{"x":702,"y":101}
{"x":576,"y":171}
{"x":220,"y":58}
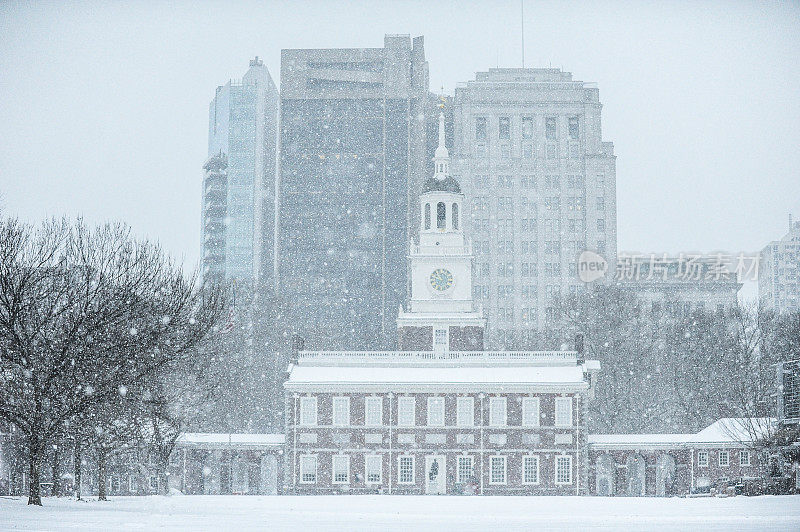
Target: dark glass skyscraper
{"x":352,"y":141}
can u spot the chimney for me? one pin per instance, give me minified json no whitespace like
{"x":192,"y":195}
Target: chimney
{"x":298,"y":344}
{"x":579,"y":348}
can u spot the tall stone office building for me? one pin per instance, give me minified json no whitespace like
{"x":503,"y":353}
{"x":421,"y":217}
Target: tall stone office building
{"x":239,"y":180}
{"x":353,"y":154}
{"x":541,"y":184}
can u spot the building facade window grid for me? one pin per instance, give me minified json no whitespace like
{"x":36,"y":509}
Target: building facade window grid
{"x":465,"y":471}
{"x":341,"y":411}
{"x":563,"y":470}
{"x":341,"y":469}
{"x":373,"y":468}
{"x":308,"y":410}
{"x":308,"y":469}
{"x":530,"y":469}
{"x":497,"y":470}
{"x":405,"y":468}
{"x":465,"y":412}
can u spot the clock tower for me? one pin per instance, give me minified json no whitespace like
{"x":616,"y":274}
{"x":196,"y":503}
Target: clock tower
{"x":441,"y":315}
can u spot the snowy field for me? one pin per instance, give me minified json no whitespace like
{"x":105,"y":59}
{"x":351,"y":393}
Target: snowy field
{"x":403,"y":513}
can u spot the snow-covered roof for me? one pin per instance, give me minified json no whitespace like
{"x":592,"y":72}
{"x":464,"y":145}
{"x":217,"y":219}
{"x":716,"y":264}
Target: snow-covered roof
{"x":734,"y":430}
{"x":445,"y":359}
{"x":438,"y":378}
{"x":725,"y":431}
{"x":222,"y":439}
{"x":618,"y":441}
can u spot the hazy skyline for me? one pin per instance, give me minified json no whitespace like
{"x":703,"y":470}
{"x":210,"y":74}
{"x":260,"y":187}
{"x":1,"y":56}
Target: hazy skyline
{"x":104,"y":106}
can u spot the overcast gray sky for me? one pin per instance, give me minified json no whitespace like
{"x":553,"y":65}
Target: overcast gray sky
{"x":104,"y":106}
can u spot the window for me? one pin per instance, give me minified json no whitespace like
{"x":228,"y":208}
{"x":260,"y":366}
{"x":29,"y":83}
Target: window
{"x":373,"y":466}
{"x":480,"y":128}
{"x":440,"y":340}
{"x":115,"y":484}
{"x":436,"y":411}
{"x":497,"y":470}
{"x":405,"y":469}
{"x":563,"y":411}
{"x":405,"y":411}
{"x":497,"y":411}
{"x":153,"y":483}
{"x":441,"y":215}
{"x":505,"y":269}
{"x":601,"y":225}
{"x":504,"y":128}
{"x":308,"y":410}
{"x":132,"y":483}
{"x":573,"y":128}
{"x":550,"y":128}
{"x":505,"y":181}
{"x":465,"y":412}
{"x":527,"y":127}
{"x":341,"y":411}
{"x":702,"y":459}
{"x":481,"y":181}
{"x":455,"y":215}
{"x":744,"y":458}
{"x":530,"y":411}
{"x":308,"y":469}
{"x":530,"y":469}
{"x":601,"y":203}
{"x":724,"y":458}
{"x":427,"y":216}
{"x":563,"y":470}
{"x":464,"y":469}
{"x":373,"y":411}
{"x":527,"y":150}
{"x":341,"y":469}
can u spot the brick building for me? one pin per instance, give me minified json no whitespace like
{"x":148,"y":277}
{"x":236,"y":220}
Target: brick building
{"x":718,"y":456}
{"x":438,"y":423}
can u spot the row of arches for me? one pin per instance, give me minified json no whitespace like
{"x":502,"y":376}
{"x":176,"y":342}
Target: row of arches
{"x":441,"y":216}
{"x":635,"y":476}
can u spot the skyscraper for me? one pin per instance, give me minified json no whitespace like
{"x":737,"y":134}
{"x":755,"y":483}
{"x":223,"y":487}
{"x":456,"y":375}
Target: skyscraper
{"x":239,"y":180}
{"x":530,"y":157}
{"x":352,"y":153}
{"x":779,"y":275}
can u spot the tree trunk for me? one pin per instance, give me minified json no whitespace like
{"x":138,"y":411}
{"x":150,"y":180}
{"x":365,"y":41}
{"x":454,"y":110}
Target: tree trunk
{"x":163,"y":471}
{"x":164,"y":478}
{"x":34,"y":459}
{"x":77,"y":457}
{"x":56,"y":473}
{"x":101,"y":474}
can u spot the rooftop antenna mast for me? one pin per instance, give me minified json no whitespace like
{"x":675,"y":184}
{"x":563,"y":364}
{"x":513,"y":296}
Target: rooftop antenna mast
{"x":522,"y":24}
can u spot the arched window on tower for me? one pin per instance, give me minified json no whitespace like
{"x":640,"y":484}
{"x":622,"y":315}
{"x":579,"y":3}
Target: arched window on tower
{"x":455,"y":215}
{"x":427,"y":216}
{"x":441,"y":216}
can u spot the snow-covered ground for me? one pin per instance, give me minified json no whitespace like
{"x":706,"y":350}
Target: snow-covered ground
{"x":403,"y":513}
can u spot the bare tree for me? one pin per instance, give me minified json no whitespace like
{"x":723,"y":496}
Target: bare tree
{"x":617,"y":333}
{"x":83,"y":312}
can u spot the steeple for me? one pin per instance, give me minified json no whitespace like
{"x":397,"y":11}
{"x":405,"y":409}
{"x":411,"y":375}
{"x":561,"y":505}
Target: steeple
{"x":441,"y":159}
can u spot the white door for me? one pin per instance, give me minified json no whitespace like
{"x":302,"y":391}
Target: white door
{"x":435,"y":474}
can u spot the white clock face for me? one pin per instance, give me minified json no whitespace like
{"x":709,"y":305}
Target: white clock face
{"x":441,"y":279}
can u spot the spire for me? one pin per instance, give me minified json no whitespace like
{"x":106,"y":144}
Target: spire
{"x":441,"y":159}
